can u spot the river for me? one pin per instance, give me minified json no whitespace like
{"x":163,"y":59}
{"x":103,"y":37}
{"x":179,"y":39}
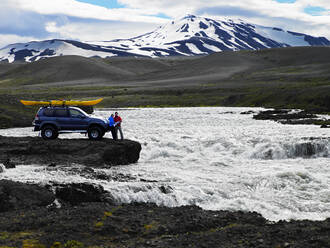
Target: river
{"x":215,"y":158}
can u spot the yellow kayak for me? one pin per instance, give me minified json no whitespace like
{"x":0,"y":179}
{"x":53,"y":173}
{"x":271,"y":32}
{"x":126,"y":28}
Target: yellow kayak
{"x":62,"y":102}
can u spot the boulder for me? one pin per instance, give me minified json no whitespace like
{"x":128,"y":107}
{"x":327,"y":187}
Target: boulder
{"x":15,"y":195}
{"x":166,"y":189}
{"x":8,"y":164}
{"x":247,"y":112}
{"x":102,"y":153}
{"x":76,"y":193}
{"x":283,"y":115}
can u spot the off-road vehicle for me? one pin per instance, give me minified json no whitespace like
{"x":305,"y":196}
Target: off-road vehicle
{"x":52,"y":121}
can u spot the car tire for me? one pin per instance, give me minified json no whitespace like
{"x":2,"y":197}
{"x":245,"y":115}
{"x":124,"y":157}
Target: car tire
{"x":49,"y":132}
{"x":95,"y":133}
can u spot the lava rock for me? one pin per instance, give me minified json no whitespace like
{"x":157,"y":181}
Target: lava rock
{"x":102,"y":176}
{"x":99,"y":224}
{"x":247,"y":112}
{"x":52,"y":165}
{"x":102,"y":153}
{"x":15,"y":195}
{"x":8,"y":164}
{"x":283,"y":115}
{"x":76,"y":193}
{"x":166,"y":189}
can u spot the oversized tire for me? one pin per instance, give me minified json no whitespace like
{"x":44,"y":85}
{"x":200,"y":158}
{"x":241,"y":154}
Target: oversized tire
{"x":49,"y":132}
{"x":95,"y":133}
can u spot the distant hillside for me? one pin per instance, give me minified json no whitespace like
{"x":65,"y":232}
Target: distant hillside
{"x":187,"y":36}
{"x":296,"y":77}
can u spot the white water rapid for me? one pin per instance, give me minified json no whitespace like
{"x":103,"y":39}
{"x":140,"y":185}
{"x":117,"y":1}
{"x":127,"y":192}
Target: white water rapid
{"x":215,"y":158}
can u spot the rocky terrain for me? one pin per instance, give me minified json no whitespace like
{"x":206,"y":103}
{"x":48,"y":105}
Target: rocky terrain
{"x":34,"y":150}
{"x":287,"y":116}
{"x":85,"y":216}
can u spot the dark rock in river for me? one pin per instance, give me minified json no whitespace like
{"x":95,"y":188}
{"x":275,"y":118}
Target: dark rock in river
{"x":15,"y":195}
{"x":285,"y":116}
{"x":247,"y":112}
{"x":76,"y":193}
{"x":166,"y":189}
{"x":8,"y":164}
{"x":34,"y":150}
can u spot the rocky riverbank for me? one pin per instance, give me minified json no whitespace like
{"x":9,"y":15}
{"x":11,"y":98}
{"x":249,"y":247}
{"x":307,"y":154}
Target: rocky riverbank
{"x":85,"y":216}
{"x":287,"y":116}
{"x":35,"y":150}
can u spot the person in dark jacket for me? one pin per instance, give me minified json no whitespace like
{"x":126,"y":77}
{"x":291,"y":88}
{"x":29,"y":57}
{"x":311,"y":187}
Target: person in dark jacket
{"x":112,"y":127}
{"x":118,"y":121}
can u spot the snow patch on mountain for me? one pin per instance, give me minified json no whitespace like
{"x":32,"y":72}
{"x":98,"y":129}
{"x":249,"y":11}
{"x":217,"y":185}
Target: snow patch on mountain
{"x":281,"y":36}
{"x":33,"y":51}
{"x":187,"y":36}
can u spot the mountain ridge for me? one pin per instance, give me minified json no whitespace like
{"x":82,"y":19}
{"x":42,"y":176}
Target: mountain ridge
{"x":187,"y":36}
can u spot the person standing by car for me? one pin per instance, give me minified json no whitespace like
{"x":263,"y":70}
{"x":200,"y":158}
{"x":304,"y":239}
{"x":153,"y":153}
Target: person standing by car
{"x":112,"y":127}
{"x":118,"y":121}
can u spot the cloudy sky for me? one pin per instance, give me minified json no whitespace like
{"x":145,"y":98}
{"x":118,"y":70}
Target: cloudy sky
{"x":95,"y":20}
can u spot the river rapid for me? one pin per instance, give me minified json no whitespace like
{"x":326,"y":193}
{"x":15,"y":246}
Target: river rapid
{"x":215,"y":158}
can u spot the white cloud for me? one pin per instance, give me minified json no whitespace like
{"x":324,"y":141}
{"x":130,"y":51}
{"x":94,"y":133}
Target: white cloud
{"x":287,"y":15}
{"x":85,"y":10}
{"x":6,"y":39}
{"x":40,"y":19}
{"x":99,"y":31}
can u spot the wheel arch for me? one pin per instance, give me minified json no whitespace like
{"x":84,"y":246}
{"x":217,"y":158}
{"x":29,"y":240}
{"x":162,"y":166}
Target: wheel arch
{"x":96,"y":125}
{"x":49,"y":124}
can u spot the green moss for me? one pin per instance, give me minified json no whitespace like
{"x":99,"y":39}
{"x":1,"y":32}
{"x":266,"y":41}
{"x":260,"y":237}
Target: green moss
{"x":150,"y":227}
{"x":32,"y":243}
{"x":56,"y":245}
{"x":99,"y":224}
{"x":4,"y":235}
{"x":73,"y":244}
{"x":108,"y":214}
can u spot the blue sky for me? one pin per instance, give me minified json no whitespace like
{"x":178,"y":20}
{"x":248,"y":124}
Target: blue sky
{"x":315,"y":10}
{"x":111,"y":4}
{"x":92,"y":20}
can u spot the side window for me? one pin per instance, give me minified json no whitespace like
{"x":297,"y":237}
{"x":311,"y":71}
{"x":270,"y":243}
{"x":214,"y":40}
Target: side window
{"x":61,"y":113}
{"x":49,"y":112}
{"x":75,"y":113}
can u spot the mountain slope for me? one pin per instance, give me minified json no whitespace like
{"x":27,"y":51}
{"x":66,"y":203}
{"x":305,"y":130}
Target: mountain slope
{"x":291,"y":77}
{"x":188,"y":36}
{"x":197,"y":35}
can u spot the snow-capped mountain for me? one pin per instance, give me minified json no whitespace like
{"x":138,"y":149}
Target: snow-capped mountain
{"x":190,"y":35}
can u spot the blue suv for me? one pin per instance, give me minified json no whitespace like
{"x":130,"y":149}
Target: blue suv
{"x":52,"y":121}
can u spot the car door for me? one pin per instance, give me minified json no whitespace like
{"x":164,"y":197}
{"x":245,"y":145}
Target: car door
{"x":78,"y":120}
{"x":62,"y":118}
